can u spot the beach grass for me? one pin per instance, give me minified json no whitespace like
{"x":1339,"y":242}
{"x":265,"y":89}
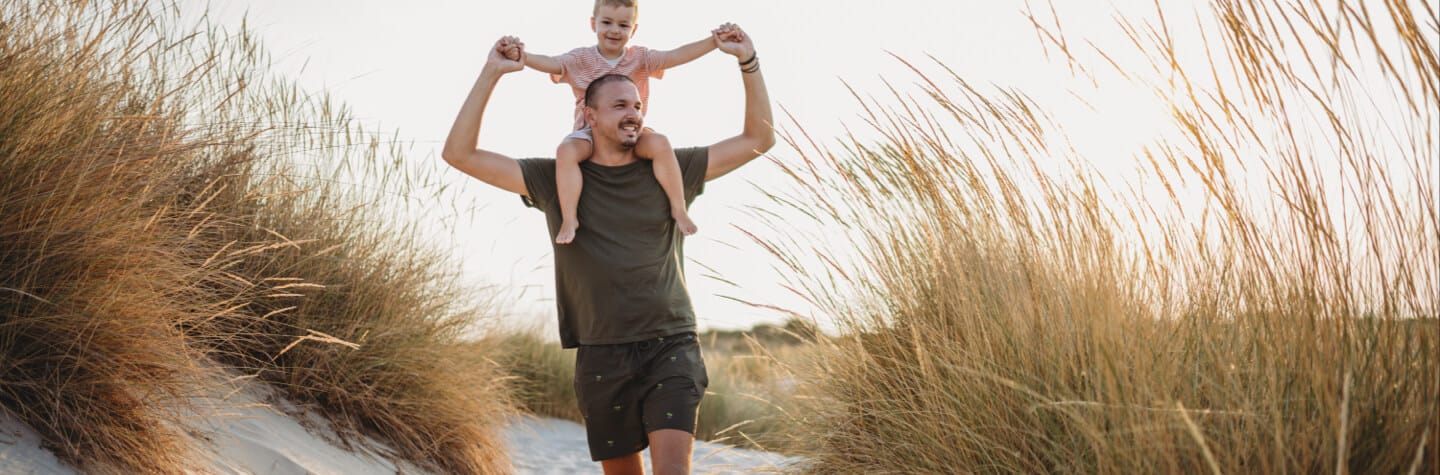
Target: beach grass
{"x":174,"y":214}
{"x":1264,"y":302}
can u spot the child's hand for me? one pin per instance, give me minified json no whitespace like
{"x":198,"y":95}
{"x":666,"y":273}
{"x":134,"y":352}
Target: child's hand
{"x":512,"y":48}
{"x":724,"y":32}
{"x":733,"y":41}
{"x":507,"y":55}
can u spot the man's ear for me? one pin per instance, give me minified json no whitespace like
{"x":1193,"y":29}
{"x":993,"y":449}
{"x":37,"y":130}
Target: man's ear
{"x":589,"y":117}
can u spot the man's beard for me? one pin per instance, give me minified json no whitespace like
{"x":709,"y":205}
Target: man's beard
{"x":629,"y":143}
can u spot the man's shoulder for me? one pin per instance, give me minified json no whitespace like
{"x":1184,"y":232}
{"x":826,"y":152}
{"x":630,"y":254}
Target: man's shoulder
{"x":536,"y":163}
{"x":533,"y":167}
{"x":692,"y":153}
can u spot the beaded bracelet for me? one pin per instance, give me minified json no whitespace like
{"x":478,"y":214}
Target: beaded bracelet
{"x":753,"y":56}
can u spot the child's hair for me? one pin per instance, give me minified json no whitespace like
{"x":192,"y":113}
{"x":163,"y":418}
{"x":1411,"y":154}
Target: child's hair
{"x":617,"y":3}
{"x":601,"y":81}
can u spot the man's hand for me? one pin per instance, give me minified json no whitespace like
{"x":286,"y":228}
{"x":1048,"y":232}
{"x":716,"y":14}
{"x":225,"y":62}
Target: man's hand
{"x":733,"y":41}
{"x":719,"y":31}
{"x":507,"y":56}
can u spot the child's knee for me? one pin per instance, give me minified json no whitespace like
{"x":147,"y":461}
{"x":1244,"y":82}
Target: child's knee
{"x":652,"y":144}
{"x":575,"y":150}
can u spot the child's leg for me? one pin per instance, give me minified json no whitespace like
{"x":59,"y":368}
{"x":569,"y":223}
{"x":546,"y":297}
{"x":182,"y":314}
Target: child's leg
{"x":657,"y":148}
{"x":568,"y":183}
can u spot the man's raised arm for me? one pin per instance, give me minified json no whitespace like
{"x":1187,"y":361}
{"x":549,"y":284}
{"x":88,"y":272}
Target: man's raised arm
{"x":759,"y":133}
{"x":460,"y":146}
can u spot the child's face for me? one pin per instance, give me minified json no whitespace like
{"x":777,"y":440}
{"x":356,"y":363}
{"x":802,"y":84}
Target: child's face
{"x":613,"y":27}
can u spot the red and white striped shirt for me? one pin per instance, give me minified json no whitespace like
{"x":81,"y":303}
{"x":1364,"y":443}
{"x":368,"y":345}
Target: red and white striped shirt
{"x":580,"y":66}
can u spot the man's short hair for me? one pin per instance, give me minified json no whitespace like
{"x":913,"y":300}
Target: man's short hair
{"x":590,"y":91}
{"x":616,"y":3}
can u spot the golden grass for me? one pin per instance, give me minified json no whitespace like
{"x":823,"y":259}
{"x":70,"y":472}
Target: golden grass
{"x":1013,"y":318}
{"x":171,"y":212}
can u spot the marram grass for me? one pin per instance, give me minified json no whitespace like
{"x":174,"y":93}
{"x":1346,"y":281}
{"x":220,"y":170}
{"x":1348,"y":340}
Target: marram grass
{"x":172,"y":215}
{"x":1004,"y":317}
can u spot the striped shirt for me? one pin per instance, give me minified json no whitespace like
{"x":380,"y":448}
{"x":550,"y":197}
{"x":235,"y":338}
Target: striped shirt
{"x":580,"y":66}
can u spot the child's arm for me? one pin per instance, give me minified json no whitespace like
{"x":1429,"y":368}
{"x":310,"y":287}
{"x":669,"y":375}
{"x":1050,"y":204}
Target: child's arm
{"x":542,"y":63}
{"x":689,"y":52}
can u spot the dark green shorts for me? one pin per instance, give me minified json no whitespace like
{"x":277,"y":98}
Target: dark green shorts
{"x":628,"y":390}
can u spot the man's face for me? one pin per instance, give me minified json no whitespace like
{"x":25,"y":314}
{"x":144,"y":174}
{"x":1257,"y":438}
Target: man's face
{"x":613,"y":27}
{"x":616,"y":115}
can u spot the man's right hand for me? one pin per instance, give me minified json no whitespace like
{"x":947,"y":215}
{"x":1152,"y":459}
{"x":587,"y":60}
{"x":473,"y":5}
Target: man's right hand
{"x":733,"y":41}
{"x":507,"y":56}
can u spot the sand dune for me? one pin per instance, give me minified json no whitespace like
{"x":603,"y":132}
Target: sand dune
{"x":246,"y":436}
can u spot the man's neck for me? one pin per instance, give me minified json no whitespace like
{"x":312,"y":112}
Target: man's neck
{"x":613,"y":155}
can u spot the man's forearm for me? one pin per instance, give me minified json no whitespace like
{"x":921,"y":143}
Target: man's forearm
{"x":460,"y":149}
{"x":759,"y":120}
{"x":465,"y":133}
{"x":757,"y":134}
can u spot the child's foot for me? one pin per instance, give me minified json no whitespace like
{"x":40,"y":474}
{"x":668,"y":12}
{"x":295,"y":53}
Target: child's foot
{"x":567,"y":232}
{"x":683,"y":222}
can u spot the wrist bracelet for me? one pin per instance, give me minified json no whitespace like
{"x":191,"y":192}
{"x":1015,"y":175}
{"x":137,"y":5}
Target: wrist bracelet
{"x":753,"y":56}
{"x":751,"y":69}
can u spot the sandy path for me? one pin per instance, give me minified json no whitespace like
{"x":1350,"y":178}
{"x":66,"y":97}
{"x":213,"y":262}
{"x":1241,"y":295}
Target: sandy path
{"x":555,"y":446}
{"x":248,"y":437}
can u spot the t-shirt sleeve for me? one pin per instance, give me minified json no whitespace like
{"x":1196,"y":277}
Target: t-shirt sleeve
{"x":539,"y":174}
{"x":694,"y":161}
{"x":568,"y":63}
{"x":654,"y":61}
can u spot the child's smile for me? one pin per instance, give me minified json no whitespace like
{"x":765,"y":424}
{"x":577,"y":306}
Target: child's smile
{"x":613,"y":27}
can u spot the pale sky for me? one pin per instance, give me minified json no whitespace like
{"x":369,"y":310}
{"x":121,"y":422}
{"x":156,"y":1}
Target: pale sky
{"x":407,"y":66}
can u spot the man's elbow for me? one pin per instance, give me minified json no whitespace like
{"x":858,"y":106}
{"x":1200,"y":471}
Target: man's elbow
{"x":764,"y":141}
{"x":452,"y":156}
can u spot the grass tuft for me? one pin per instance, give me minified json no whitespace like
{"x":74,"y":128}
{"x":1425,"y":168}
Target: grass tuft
{"x":171,"y":212}
{"x":1268,"y":307}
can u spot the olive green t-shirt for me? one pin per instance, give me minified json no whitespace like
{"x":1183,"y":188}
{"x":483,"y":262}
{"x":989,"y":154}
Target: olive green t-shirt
{"x":623,"y":277}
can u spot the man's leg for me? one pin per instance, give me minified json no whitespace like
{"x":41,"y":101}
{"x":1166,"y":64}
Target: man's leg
{"x":678,"y":381}
{"x":606,"y":390}
{"x":625,"y":465}
{"x":670,"y":452}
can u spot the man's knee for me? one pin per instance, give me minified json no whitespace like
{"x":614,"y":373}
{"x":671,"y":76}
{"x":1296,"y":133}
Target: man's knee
{"x":670,"y":451}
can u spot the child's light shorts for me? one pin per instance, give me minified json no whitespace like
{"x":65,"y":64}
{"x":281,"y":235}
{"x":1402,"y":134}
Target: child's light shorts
{"x":582,"y":134}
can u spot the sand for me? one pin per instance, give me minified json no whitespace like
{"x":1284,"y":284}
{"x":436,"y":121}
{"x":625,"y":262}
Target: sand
{"x":245,"y":436}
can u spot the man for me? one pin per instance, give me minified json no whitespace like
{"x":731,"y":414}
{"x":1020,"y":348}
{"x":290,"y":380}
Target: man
{"x":620,"y":288}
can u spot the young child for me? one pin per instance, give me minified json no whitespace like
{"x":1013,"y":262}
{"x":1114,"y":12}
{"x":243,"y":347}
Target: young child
{"x":614,"y":22}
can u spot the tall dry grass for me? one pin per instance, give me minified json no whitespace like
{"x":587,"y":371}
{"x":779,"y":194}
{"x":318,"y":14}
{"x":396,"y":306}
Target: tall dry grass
{"x":1014,"y":317}
{"x":172,"y":213}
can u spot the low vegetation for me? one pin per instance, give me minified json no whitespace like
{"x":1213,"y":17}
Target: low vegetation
{"x":1264,"y":302}
{"x":172,"y":216}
